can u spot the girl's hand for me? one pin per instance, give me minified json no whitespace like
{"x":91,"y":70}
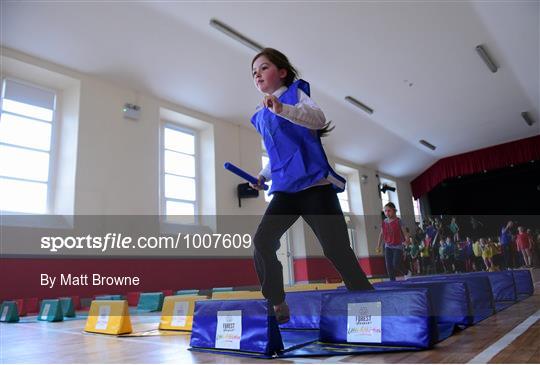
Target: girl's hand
{"x":260,"y":182}
{"x":378,"y":249}
{"x":272,"y":103}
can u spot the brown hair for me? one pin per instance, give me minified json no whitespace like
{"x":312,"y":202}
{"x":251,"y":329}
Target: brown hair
{"x":390,"y":205}
{"x":282,"y":62}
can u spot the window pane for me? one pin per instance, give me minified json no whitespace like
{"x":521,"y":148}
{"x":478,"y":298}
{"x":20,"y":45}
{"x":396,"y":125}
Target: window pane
{"x":179,"y":187}
{"x":25,"y":132}
{"x":180,"y":212}
{"x":28,"y":94}
{"x":344,"y":206}
{"x":27,"y":110}
{"x":343,"y":196}
{"x":179,"y":164}
{"x":385,"y":198}
{"x":23,"y":196}
{"x":179,"y":141}
{"x":24,"y":164}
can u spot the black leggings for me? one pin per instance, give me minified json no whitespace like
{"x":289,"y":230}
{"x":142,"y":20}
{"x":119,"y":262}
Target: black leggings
{"x":319,"y":206}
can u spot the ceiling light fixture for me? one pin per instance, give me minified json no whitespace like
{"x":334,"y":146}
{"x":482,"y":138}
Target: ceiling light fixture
{"x":224,"y":28}
{"x":484,"y":55}
{"x":528,"y":119}
{"x":427,"y":144}
{"x":359,"y":104}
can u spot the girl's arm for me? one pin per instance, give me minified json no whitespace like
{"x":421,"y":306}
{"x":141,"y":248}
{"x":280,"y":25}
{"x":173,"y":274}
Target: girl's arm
{"x":305,"y":113}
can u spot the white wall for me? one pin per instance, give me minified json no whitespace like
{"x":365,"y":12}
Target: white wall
{"x":117,"y":159}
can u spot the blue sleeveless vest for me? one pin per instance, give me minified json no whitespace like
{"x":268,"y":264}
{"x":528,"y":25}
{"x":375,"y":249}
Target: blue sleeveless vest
{"x":297,"y":157}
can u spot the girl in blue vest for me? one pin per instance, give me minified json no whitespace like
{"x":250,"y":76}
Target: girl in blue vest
{"x":303,"y":183}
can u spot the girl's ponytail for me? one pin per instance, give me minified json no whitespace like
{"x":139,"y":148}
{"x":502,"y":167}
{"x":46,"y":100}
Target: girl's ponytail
{"x":324,"y":131}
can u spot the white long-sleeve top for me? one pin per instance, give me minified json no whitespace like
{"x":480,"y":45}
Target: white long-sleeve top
{"x":305,"y":113}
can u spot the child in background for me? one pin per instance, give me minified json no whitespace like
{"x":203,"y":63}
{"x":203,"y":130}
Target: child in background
{"x":454,"y":228}
{"x":435,"y":254}
{"x":451,"y":253}
{"x":425,"y":259}
{"x":487,"y":254}
{"x":523,"y":243}
{"x":469,"y":254}
{"x":478,"y":261}
{"x":506,"y":245}
{"x":419,"y":233}
{"x":407,"y":262}
{"x":459,"y":263}
{"x":443,"y":255}
{"x":394,"y":235}
{"x":496,"y":251}
{"x":534,"y":249}
{"x":414,"y":252}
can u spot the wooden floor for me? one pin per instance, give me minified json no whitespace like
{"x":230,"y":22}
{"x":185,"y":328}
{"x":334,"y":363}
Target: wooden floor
{"x":65,"y":342}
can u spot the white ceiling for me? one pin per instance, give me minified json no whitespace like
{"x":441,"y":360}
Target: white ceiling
{"x":363,"y":49}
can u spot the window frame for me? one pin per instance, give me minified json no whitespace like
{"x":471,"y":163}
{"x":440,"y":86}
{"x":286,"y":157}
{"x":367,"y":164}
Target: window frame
{"x":53,"y":151}
{"x":393,"y":184}
{"x":163,"y":200}
{"x":346,"y":191}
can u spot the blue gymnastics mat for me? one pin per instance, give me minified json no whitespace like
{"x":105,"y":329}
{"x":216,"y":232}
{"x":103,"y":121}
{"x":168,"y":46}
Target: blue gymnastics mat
{"x":450,"y":303}
{"x":409,"y":315}
{"x":350,"y":322}
{"x":480,"y":292}
{"x":524,"y":283}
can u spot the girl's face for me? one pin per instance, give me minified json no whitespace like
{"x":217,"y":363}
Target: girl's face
{"x":389,"y":212}
{"x":266,"y":76}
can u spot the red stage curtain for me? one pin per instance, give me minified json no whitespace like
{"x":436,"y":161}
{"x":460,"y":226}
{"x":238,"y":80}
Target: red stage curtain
{"x":490,"y":158}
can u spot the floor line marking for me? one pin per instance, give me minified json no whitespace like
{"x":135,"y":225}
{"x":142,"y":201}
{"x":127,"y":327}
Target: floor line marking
{"x":97,"y":335}
{"x":504,"y":341}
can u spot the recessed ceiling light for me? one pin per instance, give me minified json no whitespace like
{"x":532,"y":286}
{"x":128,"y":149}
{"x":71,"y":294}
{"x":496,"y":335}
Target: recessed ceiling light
{"x":224,"y":28}
{"x":528,"y":119}
{"x":427,"y":144}
{"x":359,"y":104}
{"x":484,"y":55}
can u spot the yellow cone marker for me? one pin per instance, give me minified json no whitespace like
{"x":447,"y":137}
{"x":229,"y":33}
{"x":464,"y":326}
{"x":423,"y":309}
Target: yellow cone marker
{"x":238,"y":295}
{"x":109,"y":317}
{"x":177,"y":314}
